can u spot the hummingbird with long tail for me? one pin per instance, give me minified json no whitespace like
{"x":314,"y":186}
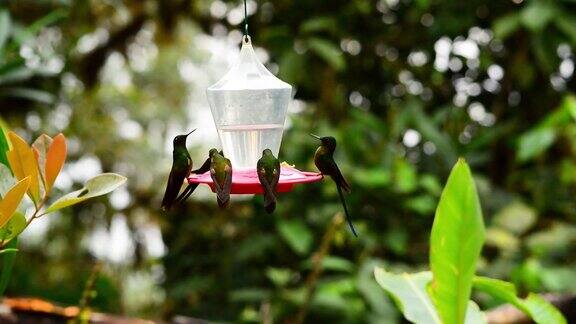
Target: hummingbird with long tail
{"x":221,"y":173}
{"x":324,"y":160}
{"x":181,"y":167}
{"x":268,"y":169}
{"x":192,"y":186}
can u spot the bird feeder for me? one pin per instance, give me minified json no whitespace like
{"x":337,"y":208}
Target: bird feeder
{"x":249,"y":107}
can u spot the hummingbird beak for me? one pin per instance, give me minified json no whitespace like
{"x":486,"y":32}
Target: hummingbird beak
{"x":316,"y":137}
{"x":191,"y":131}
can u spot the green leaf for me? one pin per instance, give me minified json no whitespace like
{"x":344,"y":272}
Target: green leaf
{"x":372,"y":177}
{"x":405,"y":176}
{"x":535,"y":142}
{"x":569,"y":104}
{"x":13,"y":72}
{"x":97,"y":186}
{"x":425,"y":125}
{"x":7,"y":264}
{"x":328,"y":51}
{"x":332,"y":263}
{"x":537,"y":14}
{"x":296,"y":234}
{"x":410,"y":294}
{"x":279,"y":276}
{"x":506,"y":26}
{"x":3,"y":146}
{"x":516,"y":217}
{"x":21,"y":35}
{"x":5,"y":27}
{"x":319,"y":24}
{"x":30,"y":94}
{"x":541,"y":311}
{"x":567,"y":24}
{"x":13,"y":227}
{"x":455,"y":244}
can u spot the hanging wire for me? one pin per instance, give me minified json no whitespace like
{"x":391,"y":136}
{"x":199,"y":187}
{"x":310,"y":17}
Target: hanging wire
{"x":245,"y":19}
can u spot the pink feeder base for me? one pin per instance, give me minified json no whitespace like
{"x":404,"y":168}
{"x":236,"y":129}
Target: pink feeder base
{"x":246,"y":181}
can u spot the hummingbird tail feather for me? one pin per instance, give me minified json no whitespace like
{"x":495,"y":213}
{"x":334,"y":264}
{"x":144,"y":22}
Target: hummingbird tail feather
{"x":269,"y":202}
{"x":223,"y":203}
{"x":270,"y":207}
{"x":187,"y":192}
{"x":348,"y":219}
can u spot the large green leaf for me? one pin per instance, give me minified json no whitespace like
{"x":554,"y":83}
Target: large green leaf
{"x":97,"y":186}
{"x":455,"y":244}
{"x":541,"y":311}
{"x":296,"y":234}
{"x":7,"y":264}
{"x":410,"y":294}
{"x":328,"y":51}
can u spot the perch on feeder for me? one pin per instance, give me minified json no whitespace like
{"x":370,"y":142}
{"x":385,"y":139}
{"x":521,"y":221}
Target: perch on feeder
{"x":249,"y":108}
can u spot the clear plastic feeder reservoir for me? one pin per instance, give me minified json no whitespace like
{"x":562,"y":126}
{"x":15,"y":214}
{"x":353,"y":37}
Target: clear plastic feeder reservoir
{"x":249,"y":107}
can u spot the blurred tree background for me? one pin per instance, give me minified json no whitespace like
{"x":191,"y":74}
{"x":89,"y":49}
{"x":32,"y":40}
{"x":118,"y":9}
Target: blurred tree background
{"x":406,"y":86}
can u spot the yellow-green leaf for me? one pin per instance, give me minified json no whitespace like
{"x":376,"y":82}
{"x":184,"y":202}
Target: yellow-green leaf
{"x":455,"y":244}
{"x":24,"y":164}
{"x":55,"y":158}
{"x":12,"y":199}
{"x":40,"y":147}
{"x":13,"y":228}
{"x":97,"y":186}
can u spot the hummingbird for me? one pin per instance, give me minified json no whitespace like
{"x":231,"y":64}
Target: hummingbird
{"x":192,"y":186}
{"x":181,"y":166}
{"x":324,"y":160}
{"x":268,"y":168}
{"x":221,"y":173}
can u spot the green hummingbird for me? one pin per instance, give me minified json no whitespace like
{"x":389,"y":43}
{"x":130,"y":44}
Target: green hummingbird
{"x":221,"y":173}
{"x":324,"y":160}
{"x":181,"y":166}
{"x":192,"y":186}
{"x":268,"y":168}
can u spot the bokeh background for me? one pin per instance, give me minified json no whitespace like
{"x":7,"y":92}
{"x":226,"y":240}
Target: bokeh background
{"x":406,"y":86}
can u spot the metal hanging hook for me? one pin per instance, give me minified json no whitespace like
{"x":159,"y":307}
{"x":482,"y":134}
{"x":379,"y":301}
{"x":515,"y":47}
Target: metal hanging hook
{"x":245,"y":19}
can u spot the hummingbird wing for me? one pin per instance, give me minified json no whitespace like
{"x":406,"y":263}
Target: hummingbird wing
{"x":186,"y":193}
{"x":175,"y":180}
{"x":227,"y":185}
{"x":222,"y":189}
{"x":205,"y":167}
{"x":337,"y":176}
{"x":269,"y":184}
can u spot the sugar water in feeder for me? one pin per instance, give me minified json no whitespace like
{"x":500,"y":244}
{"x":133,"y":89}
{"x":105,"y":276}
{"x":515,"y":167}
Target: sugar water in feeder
{"x":249,"y":108}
